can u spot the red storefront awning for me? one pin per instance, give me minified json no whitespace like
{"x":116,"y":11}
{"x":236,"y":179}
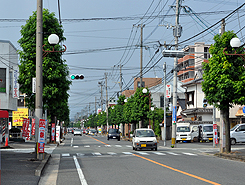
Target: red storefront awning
{"x":4,"y":114}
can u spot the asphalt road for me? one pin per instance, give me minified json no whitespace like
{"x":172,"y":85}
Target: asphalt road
{"x":94,"y":160}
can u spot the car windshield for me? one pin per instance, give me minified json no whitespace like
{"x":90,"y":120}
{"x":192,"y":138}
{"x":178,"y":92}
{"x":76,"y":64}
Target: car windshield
{"x":77,"y":130}
{"x":113,"y":131}
{"x":93,"y":130}
{"x":207,"y":128}
{"x":234,"y":128}
{"x":145,"y":133}
{"x":183,"y":129}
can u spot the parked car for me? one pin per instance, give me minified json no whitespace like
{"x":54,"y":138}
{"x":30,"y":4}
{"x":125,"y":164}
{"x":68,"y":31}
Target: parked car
{"x":84,"y":131}
{"x":237,"y":134}
{"x":144,"y":138}
{"x":92,"y":132}
{"x":113,"y":134}
{"x":77,"y":132}
{"x":205,"y":132}
{"x":87,"y":131}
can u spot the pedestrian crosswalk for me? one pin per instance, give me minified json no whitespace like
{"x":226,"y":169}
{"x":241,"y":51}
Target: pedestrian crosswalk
{"x":128,"y":154}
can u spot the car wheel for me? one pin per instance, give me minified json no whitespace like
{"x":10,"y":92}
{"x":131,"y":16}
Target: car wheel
{"x":233,"y":141}
{"x":118,"y":139}
{"x":108,"y":138}
{"x":155,"y":149}
{"x":133,"y":148}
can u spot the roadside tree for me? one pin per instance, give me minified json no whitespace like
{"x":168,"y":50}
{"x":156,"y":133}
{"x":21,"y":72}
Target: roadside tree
{"x":55,"y":71}
{"x":224,"y":79}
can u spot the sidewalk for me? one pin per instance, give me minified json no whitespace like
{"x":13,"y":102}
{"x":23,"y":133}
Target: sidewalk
{"x":19,"y":164}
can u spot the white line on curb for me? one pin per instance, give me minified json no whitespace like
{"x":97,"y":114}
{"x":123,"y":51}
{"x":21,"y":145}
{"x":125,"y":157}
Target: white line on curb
{"x":80,"y":172}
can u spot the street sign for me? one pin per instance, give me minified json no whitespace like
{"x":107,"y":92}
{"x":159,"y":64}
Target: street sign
{"x":243,"y":109}
{"x":168,"y":91}
{"x":33,"y":85}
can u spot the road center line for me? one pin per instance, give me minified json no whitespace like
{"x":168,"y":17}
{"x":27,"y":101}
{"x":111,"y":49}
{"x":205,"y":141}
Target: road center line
{"x":71,"y":141}
{"x":176,"y":170}
{"x":97,"y":140}
{"x":80,"y":172}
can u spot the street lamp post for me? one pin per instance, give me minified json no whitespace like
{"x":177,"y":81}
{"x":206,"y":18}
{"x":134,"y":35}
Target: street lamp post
{"x":125,"y":101}
{"x":53,"y":39}
{"x":235,"y":43}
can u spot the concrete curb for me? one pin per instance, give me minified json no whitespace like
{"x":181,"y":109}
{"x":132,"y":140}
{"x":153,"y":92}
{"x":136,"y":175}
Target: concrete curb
{"x":41,"y":167}
{"x":231,"y":156}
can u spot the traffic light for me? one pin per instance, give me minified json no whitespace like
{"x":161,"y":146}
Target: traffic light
{"x":205,"y":103}
{"x":76,"y":77}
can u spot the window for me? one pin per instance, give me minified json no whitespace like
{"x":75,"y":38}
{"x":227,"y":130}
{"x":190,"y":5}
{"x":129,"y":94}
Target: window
{"x":2,"y":80}
{"x":190,"y":98}
{"x":161,"y":101}
{"x":206,"y":53}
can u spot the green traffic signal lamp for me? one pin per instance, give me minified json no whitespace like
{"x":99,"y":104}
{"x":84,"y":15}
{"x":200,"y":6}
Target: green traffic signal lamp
{"x":75,"y":77}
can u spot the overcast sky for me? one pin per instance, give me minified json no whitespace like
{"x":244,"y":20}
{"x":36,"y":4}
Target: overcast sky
{"x":97,"y":33}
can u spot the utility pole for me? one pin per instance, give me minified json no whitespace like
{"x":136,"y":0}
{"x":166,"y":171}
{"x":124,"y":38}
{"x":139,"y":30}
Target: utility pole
{"x":165,"y":121}
{"x":95,"y":108}
{"x":177,"y":34}
{"x":39,"y":69}
{"x":222,"y":124}
{"x":120,"y":79}
{"x":141,"y":53}
{"x":107,"y":124}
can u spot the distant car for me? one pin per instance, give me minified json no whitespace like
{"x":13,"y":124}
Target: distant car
{"x":237,"y":134}
{"x":144,"y":138}
{"x":92,"y":132}
{"x":84,"y":131}
{"x":87,"y":131}
{"x":113,"y":134}
{"x":77,"y":132}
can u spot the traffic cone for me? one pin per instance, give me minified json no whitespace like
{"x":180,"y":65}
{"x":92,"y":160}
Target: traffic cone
{"x":6,"y":142}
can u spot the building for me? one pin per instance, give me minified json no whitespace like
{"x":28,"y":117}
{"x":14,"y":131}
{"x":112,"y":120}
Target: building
{"x":9,"y":88}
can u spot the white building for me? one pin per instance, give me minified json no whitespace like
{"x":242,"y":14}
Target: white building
{"x":9,"y":88}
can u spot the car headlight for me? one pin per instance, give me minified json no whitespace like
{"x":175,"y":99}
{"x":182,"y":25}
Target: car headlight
{"x":154,"y":140}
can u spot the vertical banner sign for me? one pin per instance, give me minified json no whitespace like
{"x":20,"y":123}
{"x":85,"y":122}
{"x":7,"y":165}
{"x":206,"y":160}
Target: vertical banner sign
{"x":41,"y":138}
{"x":33,"y":127}
{"x":24,"y":127}
{"x":168,"y":91}
{"x":215,"y":133}
{"x":174,"y":116}
{"x":15,"y":85}
{"x":58,"y":134}
{"x":28,"y":131}
{"x":223,"y":127}
{"x":53,"y":132}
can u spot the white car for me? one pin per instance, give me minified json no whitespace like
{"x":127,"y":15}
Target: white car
{"x":77,"y":132}
{"x":144,"y":138}
{"x":237,"y":134}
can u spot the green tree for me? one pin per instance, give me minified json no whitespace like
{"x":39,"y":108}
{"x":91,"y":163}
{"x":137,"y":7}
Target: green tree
{"x":224,"y":79}
{"x":55,"y":71}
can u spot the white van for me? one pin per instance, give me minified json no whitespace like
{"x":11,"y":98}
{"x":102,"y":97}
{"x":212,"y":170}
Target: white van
{"x":183,"y":132}
{"x":237,"y":134}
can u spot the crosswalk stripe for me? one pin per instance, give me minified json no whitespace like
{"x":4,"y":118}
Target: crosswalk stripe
{"x":107,"y":145}
{"x":143,"y":153}
{"x":127,"y":153}
{"x":189,"y":154}
{"x":86,"y":146}
{"x":159,"y":153}
{"x":128,"y":146}
{"x":118,"y":145}
{"x":172,"y":153}
{"x":80,"y":154}
{"x":96,"y":153}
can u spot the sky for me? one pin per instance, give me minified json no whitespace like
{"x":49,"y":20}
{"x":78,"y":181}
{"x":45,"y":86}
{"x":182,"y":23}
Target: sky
{"x":102,"y":35}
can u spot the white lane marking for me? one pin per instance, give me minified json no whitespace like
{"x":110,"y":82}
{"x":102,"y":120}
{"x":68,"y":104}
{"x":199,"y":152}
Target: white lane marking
{"x":96,"y":153}
{"x":65,"y":155}
{"x":24,"y":150}
{"x":186,"y":153}
{"x":71,"y":141}
{"x":107,"y":145}
{"x":112,"y":153}
{"x":159,"y":153}
{"x":80,"y":172}
{"x":128,"y":146}
{"x":143,"y":153}
{"x":75,"y":146}
{"x":86,"y":146}
{"x":172,"y":153}
{"x":127,"y":153}
{"x":118,"y":146}
{"x":99,"y":146}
